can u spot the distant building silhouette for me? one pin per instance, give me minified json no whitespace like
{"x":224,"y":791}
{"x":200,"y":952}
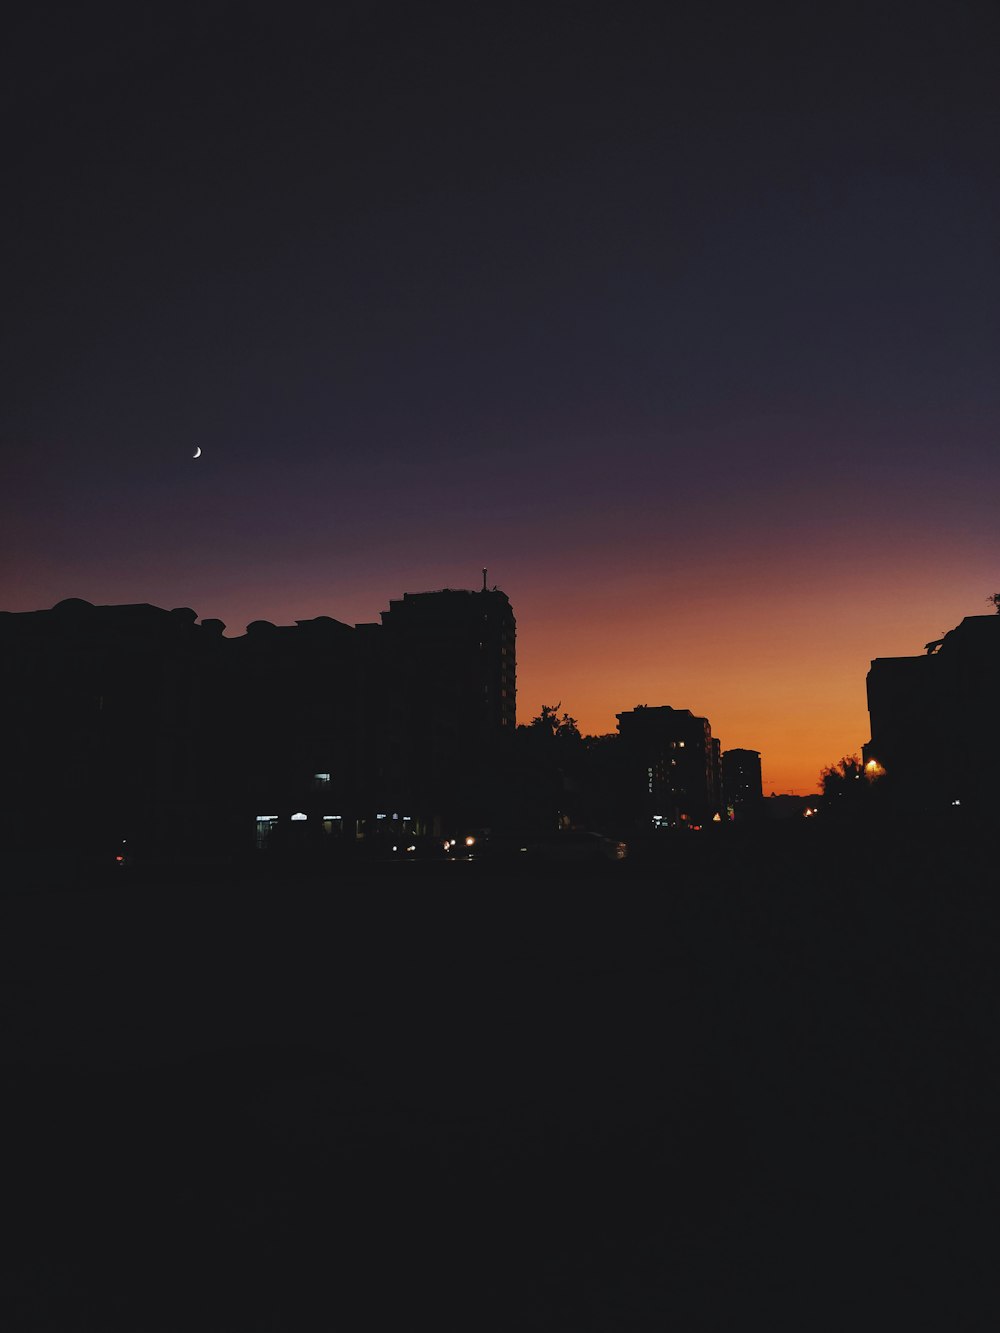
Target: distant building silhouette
{"x":741,"y":778}
{"x":672,"y":762}
{"x":781,"y":806}
{"x":135,"y":723}
{"x":935,"y":720}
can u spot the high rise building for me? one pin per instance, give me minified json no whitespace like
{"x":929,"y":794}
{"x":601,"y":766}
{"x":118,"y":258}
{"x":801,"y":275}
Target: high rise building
{"x":741,"y":779}
{"x":672,"y":761}
{"x":455,"y":650}
{"x":448,"y":668}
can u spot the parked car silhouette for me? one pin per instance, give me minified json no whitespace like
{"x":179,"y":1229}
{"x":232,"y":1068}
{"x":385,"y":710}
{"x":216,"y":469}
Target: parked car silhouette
{"x":574,"y":845}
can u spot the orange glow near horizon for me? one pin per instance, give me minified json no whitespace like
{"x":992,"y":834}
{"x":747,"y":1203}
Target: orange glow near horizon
{"x":773,"y":651}
{"x":785,"y":677}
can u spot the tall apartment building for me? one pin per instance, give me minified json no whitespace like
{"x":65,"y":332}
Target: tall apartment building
{"x":457,"y":646}
{"x":448,"y":665}
{"x":741,"y":778}
{"x":673,"y":763}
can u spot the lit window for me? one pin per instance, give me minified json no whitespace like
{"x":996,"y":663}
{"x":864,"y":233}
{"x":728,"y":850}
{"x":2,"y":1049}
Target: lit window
{"x":321,"y":777}
{"x":297,"y":818}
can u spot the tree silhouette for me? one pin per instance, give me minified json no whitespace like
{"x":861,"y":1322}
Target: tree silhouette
{"x":549,"y":723}
{"x":550,"y":755}
{"x":853,"y":789}
{"x":843,"y":780}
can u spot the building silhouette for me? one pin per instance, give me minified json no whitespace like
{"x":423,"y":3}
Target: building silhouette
{"x":137,"y":727}
{"x":113,"y":721}
{"x":935,"y":721}
{"x":743,"y":787}
{"x":447,"y":688}
{"x":672,"y":765}
{"x":298,"y":701}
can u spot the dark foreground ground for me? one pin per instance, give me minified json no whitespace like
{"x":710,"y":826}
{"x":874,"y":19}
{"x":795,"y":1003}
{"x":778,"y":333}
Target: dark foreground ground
{"x":749,"y":1082}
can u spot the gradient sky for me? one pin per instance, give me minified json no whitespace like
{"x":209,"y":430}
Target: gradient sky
{"x":681,"y":319}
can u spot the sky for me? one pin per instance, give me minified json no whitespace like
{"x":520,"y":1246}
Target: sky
{"x":683,"y":320}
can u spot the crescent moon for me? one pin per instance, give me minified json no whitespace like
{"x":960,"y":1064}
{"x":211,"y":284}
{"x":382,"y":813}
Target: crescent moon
{"x":197,"y":452}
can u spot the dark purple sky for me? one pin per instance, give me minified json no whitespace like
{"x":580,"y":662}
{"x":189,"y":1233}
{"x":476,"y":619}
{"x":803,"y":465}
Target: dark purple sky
{"x":683,"y":319}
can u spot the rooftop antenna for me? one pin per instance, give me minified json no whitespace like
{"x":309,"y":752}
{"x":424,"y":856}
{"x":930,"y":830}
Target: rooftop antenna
{"x":484,"y":578}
